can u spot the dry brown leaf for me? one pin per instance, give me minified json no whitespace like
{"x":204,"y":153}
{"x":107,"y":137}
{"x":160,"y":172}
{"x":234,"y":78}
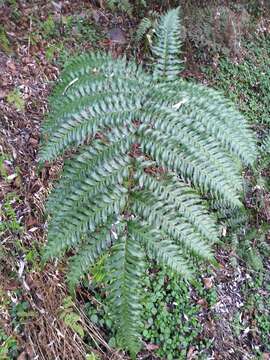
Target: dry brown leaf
{"x":22,"y":356}
{"x":30,"y":221}
{"x":208,"y":283}
{"x":151,"y":347}
{"x":11,"y":65}
{"x":18,"y":181}
{"x":33,"y":142}
{"x":191,"y":353}
{"x":203,"y":303}
{"x":3,"y":94}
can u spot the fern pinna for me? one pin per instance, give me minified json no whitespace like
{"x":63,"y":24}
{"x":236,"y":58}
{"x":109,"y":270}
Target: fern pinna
{"x":152,"y":148}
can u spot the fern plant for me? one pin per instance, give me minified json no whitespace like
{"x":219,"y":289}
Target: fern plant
{"x":151,"y":149}
{"x":125,"y":5}
{"x":146,"y":27}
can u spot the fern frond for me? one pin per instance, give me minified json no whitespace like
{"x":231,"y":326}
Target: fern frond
{"x":88,"y":90}
{"x":75,"y":129}
{"x":188,"y":203}
{"x":227,"y":124}
{"x":166,"y":47}
{"x":93,"y":170}
{"x":210,"y":114}
{"x":93,"y":66}
{"x":125,"y":269}
{"x":94,"y":80}
{"x":67,"y":231}
{"x":189,"y":166}
{"x":163,"y":249}
{"x":265,"y":147}
{"x":72,"y":120}
{"x":144,"y":26}
{"x":90,"y":251}
{"x":206,"y":149}
{"x":164,"y":216}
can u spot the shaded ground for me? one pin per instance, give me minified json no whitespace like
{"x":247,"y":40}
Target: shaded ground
{"x":31,"y":296}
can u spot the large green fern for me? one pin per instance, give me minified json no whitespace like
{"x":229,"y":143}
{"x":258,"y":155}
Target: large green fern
{"x":151,"y":149}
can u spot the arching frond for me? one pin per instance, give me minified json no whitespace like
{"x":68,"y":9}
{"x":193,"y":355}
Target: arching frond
{"x":191,"y":165}
{"x":72,"y":120}
{"x":90,"y":250}
{"x":162,"y":248}
{"x":93,"y":170}
{"x":208,"y":113}
{"x":144,"y":26}
{"x":163,"y":216}
{"x":187,"y":202}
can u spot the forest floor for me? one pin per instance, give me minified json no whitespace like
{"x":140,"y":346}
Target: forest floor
{"x":36,"y":37}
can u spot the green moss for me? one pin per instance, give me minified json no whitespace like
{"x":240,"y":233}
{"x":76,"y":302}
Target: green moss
{"x":8,"y":216}
{"x":49,"y":28}
{"x":4,"y":41}
{"x":15,"y":98}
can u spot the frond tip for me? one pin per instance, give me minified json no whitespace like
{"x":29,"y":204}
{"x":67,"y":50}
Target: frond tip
{"x":166,"y":47}
{"x":150,"y":152}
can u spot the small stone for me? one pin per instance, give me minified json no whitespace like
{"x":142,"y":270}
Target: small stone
{"x":117,"y":35}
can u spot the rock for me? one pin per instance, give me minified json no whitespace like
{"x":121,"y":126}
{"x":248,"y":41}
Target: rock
{"x":117,"y":35}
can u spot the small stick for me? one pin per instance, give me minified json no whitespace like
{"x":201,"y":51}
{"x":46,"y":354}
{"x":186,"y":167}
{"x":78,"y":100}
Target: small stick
{"x":69,"y":85}
{"x":29,"y":37}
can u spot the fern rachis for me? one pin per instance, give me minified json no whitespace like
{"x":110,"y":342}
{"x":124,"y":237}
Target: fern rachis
{"x":138,"y":188}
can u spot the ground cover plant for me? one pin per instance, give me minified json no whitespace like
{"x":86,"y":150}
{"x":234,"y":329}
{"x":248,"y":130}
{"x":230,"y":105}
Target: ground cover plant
{"x":171,"y":311}
{"x":140,"y":188}
{"x":244,"y":80}
{"x":250,"y":91}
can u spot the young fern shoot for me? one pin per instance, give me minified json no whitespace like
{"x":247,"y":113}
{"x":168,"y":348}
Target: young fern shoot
{"x":150,"y":149}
